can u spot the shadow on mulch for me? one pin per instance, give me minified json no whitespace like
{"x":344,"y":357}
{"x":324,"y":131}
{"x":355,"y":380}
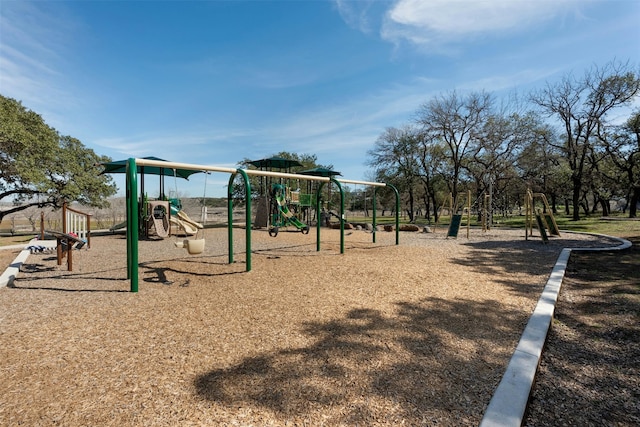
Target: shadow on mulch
{"x":369,"y":367}
{"x":589,"y":373}
{"x":497,"y":258}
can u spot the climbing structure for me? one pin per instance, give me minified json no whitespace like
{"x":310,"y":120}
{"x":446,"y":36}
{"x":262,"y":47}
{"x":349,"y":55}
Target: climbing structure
{"x":542,"y":218}
{"x":458,"y":212}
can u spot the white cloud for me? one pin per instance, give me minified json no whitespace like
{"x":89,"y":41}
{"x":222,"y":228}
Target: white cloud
{"x":351,"y":126}
{"x":177,"y":145}
{"x":434,"y":22}
{"x":35,"y":45}
{"x":357,"y":14}
{"x":464,"y":16}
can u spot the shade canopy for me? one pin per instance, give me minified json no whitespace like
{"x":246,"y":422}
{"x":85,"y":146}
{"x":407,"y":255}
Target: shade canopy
{"x":275,"y":162}
{"x":319,"y":171}
{"x":120,"y":166}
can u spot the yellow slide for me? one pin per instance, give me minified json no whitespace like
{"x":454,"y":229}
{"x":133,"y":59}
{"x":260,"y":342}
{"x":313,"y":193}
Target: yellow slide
{"x":189,"y":226}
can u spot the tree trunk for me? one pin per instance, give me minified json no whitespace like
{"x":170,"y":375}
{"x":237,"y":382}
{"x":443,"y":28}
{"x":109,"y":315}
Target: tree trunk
{"x":435,"y":208}
{"x":633,"y":205}
{"x":576,"y":198}
{"x":411,"y":209}
{"x":427,"y":209}
{"x":606,"y":209}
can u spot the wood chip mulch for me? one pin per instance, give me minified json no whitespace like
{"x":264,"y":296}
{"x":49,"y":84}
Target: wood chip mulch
{"x":590,"y":370}
{"x":383,"y":335}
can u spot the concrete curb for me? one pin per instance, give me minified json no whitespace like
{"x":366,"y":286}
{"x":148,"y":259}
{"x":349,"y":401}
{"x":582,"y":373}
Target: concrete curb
{"x":509,"y":402}
{"x":9,"y":275}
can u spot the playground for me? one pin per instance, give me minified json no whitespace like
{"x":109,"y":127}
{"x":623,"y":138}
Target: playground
{"x":416,"y":334}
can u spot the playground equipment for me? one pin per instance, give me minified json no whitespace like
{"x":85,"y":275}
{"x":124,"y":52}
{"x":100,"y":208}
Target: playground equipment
{"x":544,"y":219}
{"x":180,"y":219}
{"x":65,"y":243}
{"x":486,"y":212}
{"x":265,"y":208}
{"x":158,"y":217}
{"x":453,"y":207}
{"x":76,"y":233}
{"x":77,"y":222}
{"x":160,"y":168}
{"x":193,"y":246}
{"x":132,"y":206}
{"x":278,"y":204}
{"x":281,"y":215}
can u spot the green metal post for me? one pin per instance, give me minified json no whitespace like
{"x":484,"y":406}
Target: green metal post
{"x":230,"y":217}
{"x":341,"y":214}
{"x":128,"y":216}
{"x":395,"y":190}
{"x":375,"y":190}
{"x":318,"y":222}
{"x":247,"y":235}
{"x":132,"y":225}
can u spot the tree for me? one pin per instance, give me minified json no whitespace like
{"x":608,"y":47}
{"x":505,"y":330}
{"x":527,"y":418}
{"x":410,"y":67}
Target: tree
{"x":540,"y":165}
{"x":394,"y":159}
{"x":623,"y":148}
{"x":258,"y":184}
{"x":456,"y":121}
{"x":431,"y":158}
{"x":582,"y":106}
{"x":39,"y":167}
{"x":500,"y":140}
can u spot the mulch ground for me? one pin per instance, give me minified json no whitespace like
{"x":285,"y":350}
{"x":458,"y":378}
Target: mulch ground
{"x":590,"y":370}
{"x":416,"y":334}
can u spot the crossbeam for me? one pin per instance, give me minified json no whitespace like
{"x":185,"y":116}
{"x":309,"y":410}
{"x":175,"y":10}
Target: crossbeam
{"x":188,"y":166}
{"x":353,"y":181}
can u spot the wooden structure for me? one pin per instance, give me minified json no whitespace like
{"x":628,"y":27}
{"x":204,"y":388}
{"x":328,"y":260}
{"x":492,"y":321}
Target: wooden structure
{"x":76,"y":232}
{"x":65,"y":243}
{"x":76,"y":222}
{"x":543,"y":218}
{"x":457,"y":214}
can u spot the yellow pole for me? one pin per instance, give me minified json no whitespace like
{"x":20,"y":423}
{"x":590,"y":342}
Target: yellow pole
{"x":468,"y":212}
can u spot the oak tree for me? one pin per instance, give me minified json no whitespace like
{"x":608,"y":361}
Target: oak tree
{"x":39,"y":167}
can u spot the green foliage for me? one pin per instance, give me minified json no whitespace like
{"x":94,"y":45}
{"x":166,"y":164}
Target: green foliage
{"x":563,"y":143}
{"x":39,"y":167}
{"x":259,"y":185}
{"x":582,"y":108}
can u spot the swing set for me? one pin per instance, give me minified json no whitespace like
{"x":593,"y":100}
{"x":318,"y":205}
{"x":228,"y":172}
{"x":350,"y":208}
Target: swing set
{"x":198,"y":242}
{"x":460,"y":208}
{"x":195,"y":245}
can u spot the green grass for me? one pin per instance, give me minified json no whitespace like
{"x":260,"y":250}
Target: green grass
{"x":613,"y":226}
{"x":15,"y":240}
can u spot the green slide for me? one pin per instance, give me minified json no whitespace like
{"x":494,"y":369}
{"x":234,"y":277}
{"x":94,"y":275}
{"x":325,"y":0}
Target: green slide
{"x":454,"y":226}
{"x":284,"y":211}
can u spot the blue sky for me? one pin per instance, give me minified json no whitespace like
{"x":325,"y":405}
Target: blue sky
{"x":214,"y":82}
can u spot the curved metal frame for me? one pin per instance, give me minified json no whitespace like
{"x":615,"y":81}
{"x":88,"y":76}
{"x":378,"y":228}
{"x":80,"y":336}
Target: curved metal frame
{"x":133,"y":206}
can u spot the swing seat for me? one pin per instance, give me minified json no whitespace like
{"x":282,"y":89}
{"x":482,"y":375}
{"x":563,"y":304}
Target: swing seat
{"x":194,"y":246}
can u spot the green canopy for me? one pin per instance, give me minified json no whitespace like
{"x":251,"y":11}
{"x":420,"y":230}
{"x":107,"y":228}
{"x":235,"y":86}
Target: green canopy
{"x":275,"y":162}
{"x":120,"y":166}
{"x":319,"y":171}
